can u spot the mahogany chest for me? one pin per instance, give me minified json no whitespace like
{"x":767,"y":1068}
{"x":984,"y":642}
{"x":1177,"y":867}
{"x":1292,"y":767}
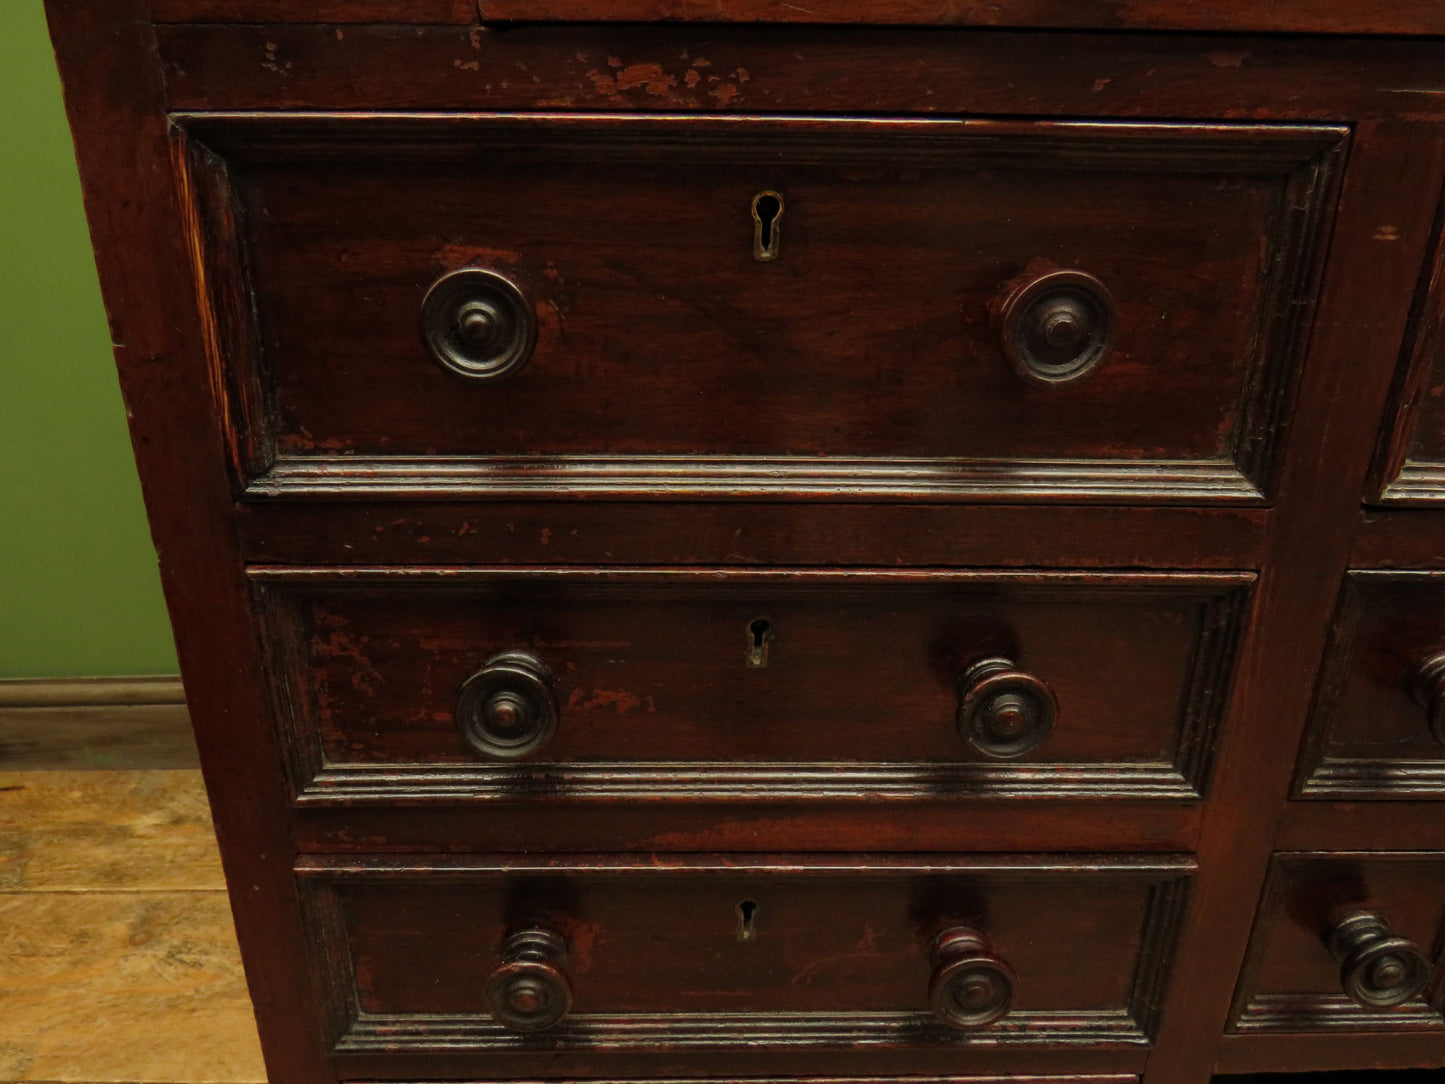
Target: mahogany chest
{"x":852,"y":541}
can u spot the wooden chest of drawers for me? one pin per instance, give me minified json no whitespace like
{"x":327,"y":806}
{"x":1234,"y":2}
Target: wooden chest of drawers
{"x":730,"y":540}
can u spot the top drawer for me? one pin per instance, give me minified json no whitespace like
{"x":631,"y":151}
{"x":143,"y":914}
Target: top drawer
{"x":748,"y":306}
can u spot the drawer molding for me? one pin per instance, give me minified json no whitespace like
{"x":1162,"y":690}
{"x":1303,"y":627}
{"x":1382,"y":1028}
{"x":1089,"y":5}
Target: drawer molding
{"x":1290,"y":1012}
{"x":376,"y":1034}
{"x":1161,"y":481}
{"x":710,"y":781}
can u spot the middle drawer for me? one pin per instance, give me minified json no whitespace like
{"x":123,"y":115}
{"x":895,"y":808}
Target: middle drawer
{"x":475,"y":685}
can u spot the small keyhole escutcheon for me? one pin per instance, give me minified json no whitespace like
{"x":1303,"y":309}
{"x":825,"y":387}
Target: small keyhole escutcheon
{"x":747,"y":917}
{"x":760,"y":635}
{"x":767,"y":213}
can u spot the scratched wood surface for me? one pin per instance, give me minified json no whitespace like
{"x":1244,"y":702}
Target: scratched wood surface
{"x":118,"y":958}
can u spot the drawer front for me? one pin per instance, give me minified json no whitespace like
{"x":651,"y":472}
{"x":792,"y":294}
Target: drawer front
{"x":553,"y":686}
{"x":1378,"y":723}
{"x":460,"y":955}
{"x":1346,"y":942}
{"x":1410,"y":468}
{"x":883,"y":327}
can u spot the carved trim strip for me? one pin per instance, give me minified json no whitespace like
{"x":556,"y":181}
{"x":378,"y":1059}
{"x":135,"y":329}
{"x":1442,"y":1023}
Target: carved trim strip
{"x":1340,"y":777}
{"x":726,"y":781}
{"x":1332,"y":1012}
{"x":703,"y":1031}
{"x":1100,"y":583}
{"x":438,"y":869}
{"x":1416,"y":483}
{"x":1210,"y":683}
{"x":312,"y":135}
{"x":1163,"y":919}
{"x":724,"y":477}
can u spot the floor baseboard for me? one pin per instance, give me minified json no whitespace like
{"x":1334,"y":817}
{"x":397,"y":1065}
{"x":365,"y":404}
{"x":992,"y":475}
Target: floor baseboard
{"x":122,"y":723}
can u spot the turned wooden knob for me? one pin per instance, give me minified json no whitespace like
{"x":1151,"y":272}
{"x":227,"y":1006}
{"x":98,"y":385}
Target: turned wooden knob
{"x":1003,"y":711}
{"x":509,"y":707}
{"x":971,"y":987}
{"x":1056,"y":327}
{"x":529,"y":990}
{"x":1429,"y":690}
{"x":477,"y":324}
{"x":1377,"y":969}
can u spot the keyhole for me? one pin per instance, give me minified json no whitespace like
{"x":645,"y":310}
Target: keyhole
{"x":760,"y":634}
{"x":747,"y":912}
{"x":767,"y":210}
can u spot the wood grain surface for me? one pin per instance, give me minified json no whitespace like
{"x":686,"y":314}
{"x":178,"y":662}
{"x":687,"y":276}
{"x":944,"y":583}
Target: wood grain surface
{"x":118,"y":958}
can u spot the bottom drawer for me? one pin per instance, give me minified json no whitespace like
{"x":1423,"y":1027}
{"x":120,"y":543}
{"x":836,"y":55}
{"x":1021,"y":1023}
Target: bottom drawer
{"x":536,"y":959}
{"x":1346,"y":943}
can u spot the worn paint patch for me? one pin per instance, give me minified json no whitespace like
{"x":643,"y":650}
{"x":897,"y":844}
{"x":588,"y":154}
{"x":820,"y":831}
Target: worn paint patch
{"x":271,"y":63}
{"x":469,"y":255}
{"x":620,"y":700}
{"x":651,"y":79}
{"x":1228,"y":59}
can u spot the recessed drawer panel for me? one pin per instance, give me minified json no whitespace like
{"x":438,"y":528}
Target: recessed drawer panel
{"x":700,"y":955}
{"x":1377,"y":728}
{"x":716,"y":306}
{"x":547,"y":686}
{"x":1346,"y":942}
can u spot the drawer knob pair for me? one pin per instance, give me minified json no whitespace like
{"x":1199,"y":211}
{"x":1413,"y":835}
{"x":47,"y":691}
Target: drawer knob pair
{"x":530,"y":991}
{"x":1054,"y":327}
{"x":1377,"y":968}
{"x":509,"y":707}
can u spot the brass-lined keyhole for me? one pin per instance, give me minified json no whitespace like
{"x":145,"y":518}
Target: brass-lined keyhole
{"x":760,"y":635}
{"x":767,"y":211}
{"x":747,"y":915}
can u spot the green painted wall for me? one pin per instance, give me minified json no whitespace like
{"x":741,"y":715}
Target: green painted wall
{"x":79,"y":594}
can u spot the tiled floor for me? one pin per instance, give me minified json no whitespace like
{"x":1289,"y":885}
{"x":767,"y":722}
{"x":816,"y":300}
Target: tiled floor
{"x":118,"y":961}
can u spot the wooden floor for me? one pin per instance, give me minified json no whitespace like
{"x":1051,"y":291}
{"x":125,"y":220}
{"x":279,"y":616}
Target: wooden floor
{"x":118,"y":961}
